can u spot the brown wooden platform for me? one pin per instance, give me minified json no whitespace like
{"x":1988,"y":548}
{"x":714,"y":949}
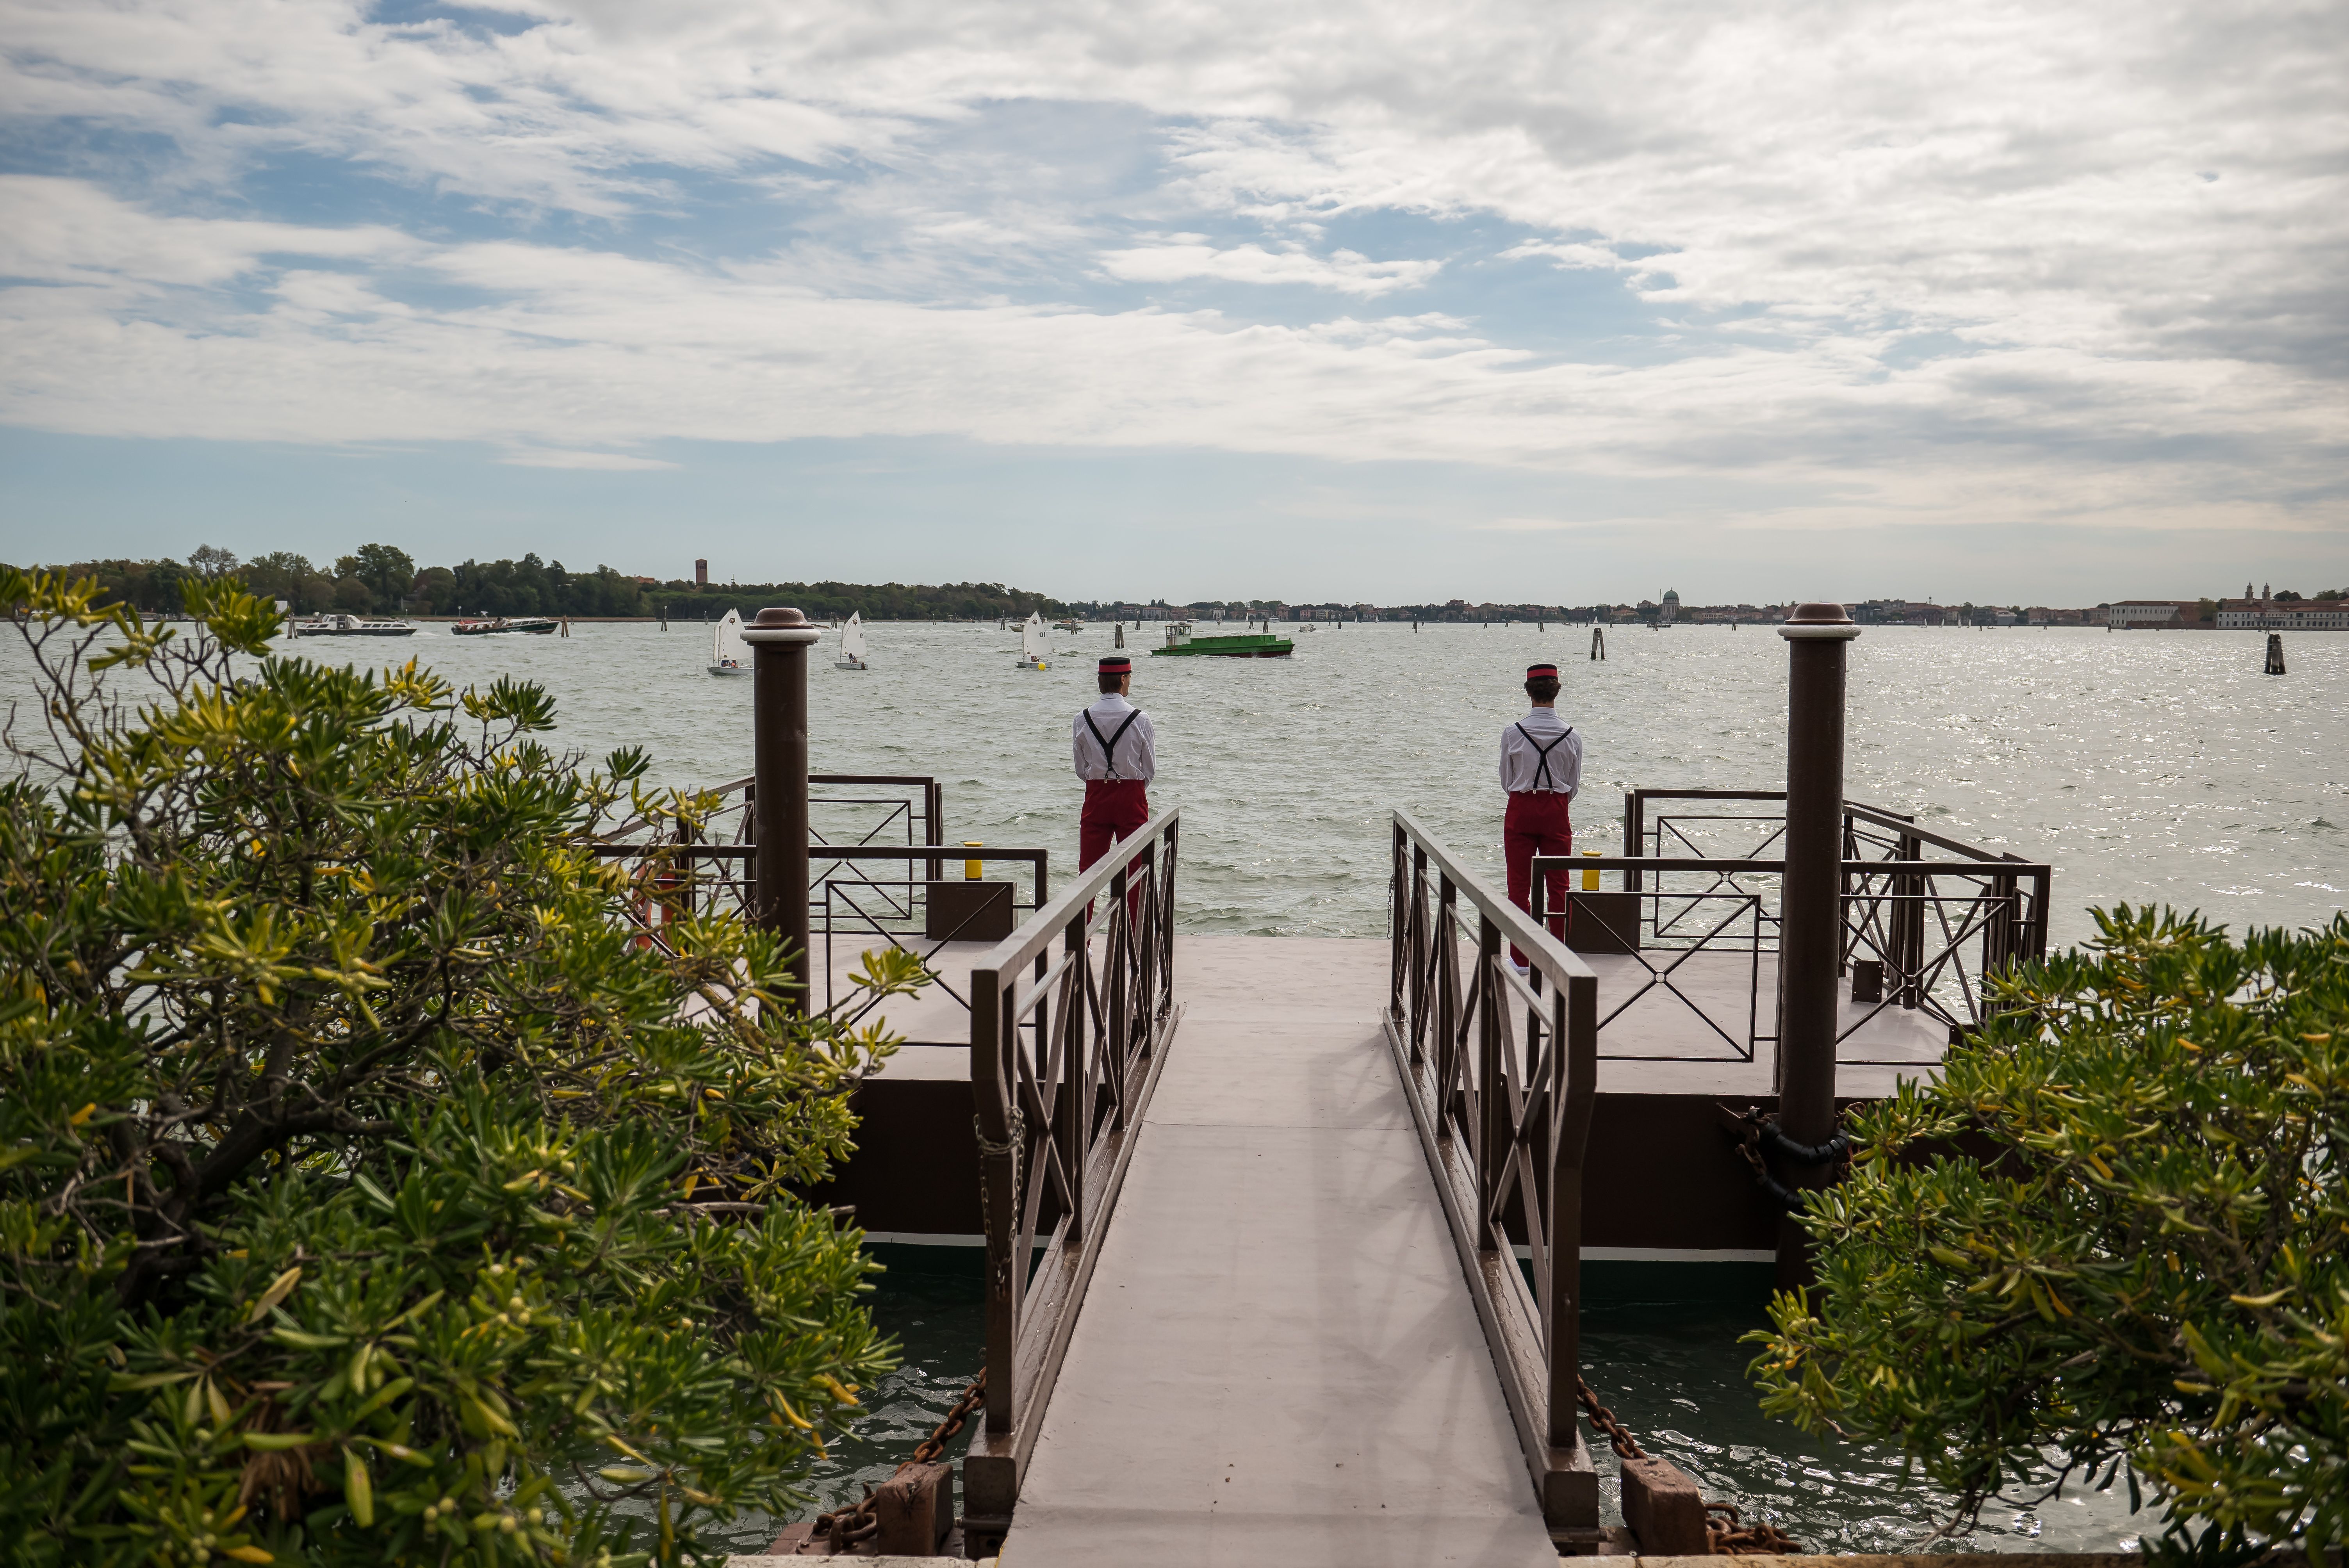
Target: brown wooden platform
{"x":1665,"y":1182}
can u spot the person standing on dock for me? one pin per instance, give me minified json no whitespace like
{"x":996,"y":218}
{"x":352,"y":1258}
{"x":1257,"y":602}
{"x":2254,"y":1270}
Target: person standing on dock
{"x":1117,"y":757}
{"x":1541,"y":768}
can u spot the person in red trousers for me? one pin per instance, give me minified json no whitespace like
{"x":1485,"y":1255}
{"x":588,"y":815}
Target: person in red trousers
{"x":1117,"y":757}
{"x":1541,"y":768}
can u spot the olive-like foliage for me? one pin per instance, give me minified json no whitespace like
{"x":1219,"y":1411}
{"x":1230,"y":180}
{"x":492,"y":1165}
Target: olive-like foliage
{"x":367,"y":1167}
{"x":2111,"y":1240}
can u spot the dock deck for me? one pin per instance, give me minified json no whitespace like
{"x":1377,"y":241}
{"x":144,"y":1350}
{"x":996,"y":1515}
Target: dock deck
{"x":1276,"y":1360}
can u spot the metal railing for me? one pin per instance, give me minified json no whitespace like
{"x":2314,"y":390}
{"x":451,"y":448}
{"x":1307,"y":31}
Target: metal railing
{"x":869,"y":872}
{"x":1920,"y":934}
{"x":1502,"y":1072}
{"x":1071,"y":1017}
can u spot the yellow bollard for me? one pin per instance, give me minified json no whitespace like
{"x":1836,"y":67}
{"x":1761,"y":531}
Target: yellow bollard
{"x":970,"y":867}
{"x":1591,"y":874}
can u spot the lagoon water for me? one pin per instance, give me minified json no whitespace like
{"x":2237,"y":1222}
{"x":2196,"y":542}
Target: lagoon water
{"x":2147,"y":767}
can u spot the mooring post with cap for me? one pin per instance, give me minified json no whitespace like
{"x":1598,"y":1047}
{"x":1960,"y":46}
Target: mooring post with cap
{"x":779,"y":642}
{"x":1810,"y":938}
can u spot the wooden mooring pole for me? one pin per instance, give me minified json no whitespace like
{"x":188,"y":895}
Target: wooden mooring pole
{"x":1810,"y":939}
{"x":780,"y":639}
{"x":2275,"y":653}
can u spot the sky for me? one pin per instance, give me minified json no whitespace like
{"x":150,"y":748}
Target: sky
{"x":1547,"y":301}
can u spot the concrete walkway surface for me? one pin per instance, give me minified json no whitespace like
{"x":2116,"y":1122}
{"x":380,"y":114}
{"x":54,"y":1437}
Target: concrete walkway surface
{"x":1277,"y":1361}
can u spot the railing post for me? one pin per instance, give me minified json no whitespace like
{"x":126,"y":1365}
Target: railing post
{"x":998,"y":1188}
{"x":1422,"y":949}
{"x":1492,"y":1098}
{"x":1398,"y":935}
{"x":1574,"y":1014}
{"x":1810,"y":915}
{"x":1069,"y":1111}
{"x":1908,"y":927}
{"x":778,"y":643}
{"x":934,"y":810}
{"x":1125,"y":954}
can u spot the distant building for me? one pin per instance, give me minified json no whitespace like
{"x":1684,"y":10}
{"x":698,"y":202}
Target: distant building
{"x":701,"y":574}
{"x":2284,"y":616}
{"x":1671,"y":610}
{"x":2142,"y":615}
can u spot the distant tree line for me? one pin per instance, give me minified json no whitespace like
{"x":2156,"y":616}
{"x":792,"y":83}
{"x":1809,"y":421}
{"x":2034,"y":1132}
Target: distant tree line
{"x":881,"y":602}
{"x":384,"y":579}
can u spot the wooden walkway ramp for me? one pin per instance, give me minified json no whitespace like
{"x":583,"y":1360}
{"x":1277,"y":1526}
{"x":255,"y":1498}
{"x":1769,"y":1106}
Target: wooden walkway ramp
{"x":1277,"y":1359}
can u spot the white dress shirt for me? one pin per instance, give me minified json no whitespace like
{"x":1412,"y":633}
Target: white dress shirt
{"x":1521,"y":757}
{"x":1137,"y":750}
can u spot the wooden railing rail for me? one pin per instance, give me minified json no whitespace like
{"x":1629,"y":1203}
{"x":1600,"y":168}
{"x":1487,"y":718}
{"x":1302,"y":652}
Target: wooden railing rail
{"x":1070,"y":1022}
{"x":1502,"y":1074}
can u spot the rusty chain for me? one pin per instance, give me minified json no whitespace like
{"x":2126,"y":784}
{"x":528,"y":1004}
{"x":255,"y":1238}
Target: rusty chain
{"x":1602,"y":1420}
{"x":1728,"y":1538}
{"x":1724,"y":1535}
{"x":1757,"y":1126}
{"x":844,"y":1527}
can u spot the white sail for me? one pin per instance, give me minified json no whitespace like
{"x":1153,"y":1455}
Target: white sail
{"x":1031,"y":638}
{"x":852,"y":639}
{"x":730,"y":650}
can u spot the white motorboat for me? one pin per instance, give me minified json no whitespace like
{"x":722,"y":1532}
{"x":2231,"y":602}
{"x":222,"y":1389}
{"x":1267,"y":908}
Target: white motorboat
{"x":851,"y":644}
{"x":537,"y":625}
{"x":348,"y":627}
{"x":1032,"y":642}
{"x":729,"y":650}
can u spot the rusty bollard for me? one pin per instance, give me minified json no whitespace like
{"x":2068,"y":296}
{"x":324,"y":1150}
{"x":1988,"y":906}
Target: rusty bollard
{"x":1664,"y":1509}
{"x":914,"y":1508}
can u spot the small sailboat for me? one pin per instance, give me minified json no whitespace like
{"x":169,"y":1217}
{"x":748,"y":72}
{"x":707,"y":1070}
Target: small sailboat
{"x":1032,"y":642}
{"x":852,"y":645}
{"x":729,"y":650}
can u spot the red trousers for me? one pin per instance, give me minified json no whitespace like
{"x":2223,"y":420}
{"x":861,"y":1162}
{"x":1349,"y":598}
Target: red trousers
{"x":1536,"y":824}
{"x":1114,"y":809}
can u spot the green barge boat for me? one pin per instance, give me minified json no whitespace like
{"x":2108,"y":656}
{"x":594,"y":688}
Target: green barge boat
{"x":1234,"y":645}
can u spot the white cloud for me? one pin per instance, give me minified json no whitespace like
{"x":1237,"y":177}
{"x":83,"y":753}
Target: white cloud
{"x":1580,"y":257}
{"x":1343,"y":271}
{"x":1844,"y":180}
{"x":610,"y":463}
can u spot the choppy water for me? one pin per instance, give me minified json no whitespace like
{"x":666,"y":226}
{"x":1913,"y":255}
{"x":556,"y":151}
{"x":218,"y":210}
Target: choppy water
{"x":2147,"y":767}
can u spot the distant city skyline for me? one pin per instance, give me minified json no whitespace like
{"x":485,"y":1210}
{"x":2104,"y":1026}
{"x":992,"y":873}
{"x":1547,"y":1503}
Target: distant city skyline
{"x":1769,"y":301}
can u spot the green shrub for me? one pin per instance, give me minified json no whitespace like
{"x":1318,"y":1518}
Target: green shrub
{"x":363,"y":1171}
{"x":2144,"y":1264}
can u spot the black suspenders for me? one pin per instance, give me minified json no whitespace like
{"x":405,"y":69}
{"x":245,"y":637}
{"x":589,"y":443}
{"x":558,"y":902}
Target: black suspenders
{"x":1541,"y":754}
{"x":1109,"y":747}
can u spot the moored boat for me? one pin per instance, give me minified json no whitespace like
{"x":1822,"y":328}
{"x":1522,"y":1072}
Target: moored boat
{"x":730,"y":650}
{"x":537,"y":625}
{"x":1233,"y":645}
{"x":340,"y":625}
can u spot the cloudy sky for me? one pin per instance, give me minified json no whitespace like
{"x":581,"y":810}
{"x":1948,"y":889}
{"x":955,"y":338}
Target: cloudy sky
{"x":1551,"y":301}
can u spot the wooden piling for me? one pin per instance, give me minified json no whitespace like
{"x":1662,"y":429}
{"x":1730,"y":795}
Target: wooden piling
{"x":779,"y":642}
{"x":1810,"y":940}
{"x":2275,"y":653}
